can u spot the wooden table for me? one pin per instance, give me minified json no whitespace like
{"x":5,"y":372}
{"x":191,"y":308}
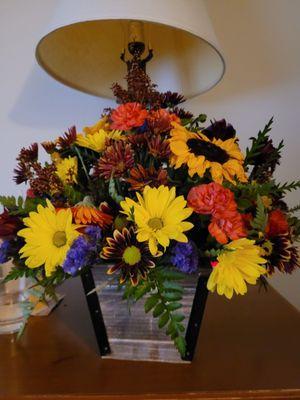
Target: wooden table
{"x":248,"y":348}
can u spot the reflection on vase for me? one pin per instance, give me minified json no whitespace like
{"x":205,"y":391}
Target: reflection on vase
{"x":11,"y":295}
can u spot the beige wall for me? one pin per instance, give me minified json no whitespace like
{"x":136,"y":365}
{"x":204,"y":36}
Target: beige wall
{"x":260,"y":39}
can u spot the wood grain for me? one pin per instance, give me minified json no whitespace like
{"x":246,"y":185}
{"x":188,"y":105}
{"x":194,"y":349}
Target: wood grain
{"x":248,"y":348}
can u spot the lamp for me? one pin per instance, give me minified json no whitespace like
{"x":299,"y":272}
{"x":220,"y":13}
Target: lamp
{"x":83,"y":45}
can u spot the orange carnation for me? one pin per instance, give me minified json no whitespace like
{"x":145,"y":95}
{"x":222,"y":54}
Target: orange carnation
{"x":211,"y":198}
{"x":230,"y":226}
{"x":277,"y":224}
{"x":128,"y":116}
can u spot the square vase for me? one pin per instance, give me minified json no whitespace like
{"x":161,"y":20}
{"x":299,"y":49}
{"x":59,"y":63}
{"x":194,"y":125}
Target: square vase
{"x":125,"y":332}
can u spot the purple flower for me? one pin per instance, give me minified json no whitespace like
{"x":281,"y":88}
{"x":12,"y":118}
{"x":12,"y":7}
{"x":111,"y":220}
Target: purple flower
{"x":4,"y":249}
{"x":94,"y":234}
{"x":78,"y":256}
{"x":84,"y":250}
{"x":184,"y":256}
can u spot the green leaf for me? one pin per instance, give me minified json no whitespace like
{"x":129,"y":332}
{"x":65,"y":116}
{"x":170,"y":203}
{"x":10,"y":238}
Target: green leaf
{"x":141,"y":291}
{"x":261,"y":218}
{"x":174,"y":306}
{"x":178,"y":317}
{"x":172,"y":286}
{"x":180,"y":345}
{"x":171,"y":275}
{"x":163,"y":319}
{"x":158,"y":310}
{"x":171,"y":329}
{"x":151,"y":302}
{"x":172,"y":296}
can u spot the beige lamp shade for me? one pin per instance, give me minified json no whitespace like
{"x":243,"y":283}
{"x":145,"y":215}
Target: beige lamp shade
{"x":82,"y":46}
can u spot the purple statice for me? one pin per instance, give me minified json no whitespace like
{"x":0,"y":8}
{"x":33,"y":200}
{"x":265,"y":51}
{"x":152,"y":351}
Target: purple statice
{"x":78,"y":256}
{"x":4,"y":250}
{"x":94,"y":234}
{"x":184,"y":256}
{"x":83,"y":251}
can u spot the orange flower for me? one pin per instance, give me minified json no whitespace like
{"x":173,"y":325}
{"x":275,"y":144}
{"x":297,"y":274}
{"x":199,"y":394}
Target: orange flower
{"x":128,"y":116}
{"x":230,"y":226}
{"x":90,"y":215}
{"x":211,"y":198}
{"x":277,"y":224}
{"x":159,"y":121}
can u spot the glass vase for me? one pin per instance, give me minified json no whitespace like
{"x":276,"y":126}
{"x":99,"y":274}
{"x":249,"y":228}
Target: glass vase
{"x":12,"y":294}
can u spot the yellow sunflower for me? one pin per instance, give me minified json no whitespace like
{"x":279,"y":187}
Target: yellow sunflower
{"x":67,"y":170}
{"x":48,"y":236}
{"x":159,"y":216}
{"x":237,"y":264}
{"x":223,"y":158}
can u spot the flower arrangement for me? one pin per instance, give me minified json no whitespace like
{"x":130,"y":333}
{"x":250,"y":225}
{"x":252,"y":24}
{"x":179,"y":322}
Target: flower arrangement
{"x":151,"y":193}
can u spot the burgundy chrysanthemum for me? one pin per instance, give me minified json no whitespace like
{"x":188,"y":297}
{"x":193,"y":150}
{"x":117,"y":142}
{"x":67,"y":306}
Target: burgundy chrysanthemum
{"x":171,"y":99}
{"x":137,"y":140}
{"x":22,"y":173}
{"x":29,"y":154}
{"x":68,"y":138}
{"x":141,"y":177}
{"x":116,"y":160}
{"x":182,"y":114}
{"x":132,"y":259}
{"x":49,"y":147}
{"x":284,"y":255}
{"x":159,"y":147}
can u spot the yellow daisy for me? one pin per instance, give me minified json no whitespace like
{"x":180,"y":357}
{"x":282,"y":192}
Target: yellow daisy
{"x":223,"y":158}
{"x":237,"y":264}
{"x":94,"y":141}
{"x":67,"y":170}
{"x":48,"y":236}
{"x":101,"y":124}
{"x":159,"y":216}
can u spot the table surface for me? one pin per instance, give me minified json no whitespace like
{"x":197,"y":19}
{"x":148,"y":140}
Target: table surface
{"x":248,"y":347}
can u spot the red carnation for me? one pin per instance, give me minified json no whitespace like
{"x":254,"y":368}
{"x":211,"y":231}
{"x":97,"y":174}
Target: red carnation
{"x":128,"y":115}
{"x":277,"y":224}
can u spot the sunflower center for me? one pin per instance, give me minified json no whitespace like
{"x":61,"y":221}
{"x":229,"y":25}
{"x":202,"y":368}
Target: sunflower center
{"x":209,"y":150}
{"x":59,"y":239}
{"x":132,"y":255}
{"x":155,"y":223}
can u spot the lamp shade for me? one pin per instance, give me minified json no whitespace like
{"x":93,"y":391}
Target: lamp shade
{"x":82,"y":46}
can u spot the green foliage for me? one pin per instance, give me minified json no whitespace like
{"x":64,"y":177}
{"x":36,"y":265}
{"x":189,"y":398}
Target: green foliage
{"x":164,"y":300}
{"x":19,"y":272}
{"x":73,"y":195}
{"x":195,"y":123}
{"x":294,"y":209}
{"x":257,"y":144}
{"x":164,"y":295}
{"x":261,"y":218}
{"x":294,"y":223}
{"x":113,"y":191}
{"x":19,"y":206}
{"x":287,"y":186}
